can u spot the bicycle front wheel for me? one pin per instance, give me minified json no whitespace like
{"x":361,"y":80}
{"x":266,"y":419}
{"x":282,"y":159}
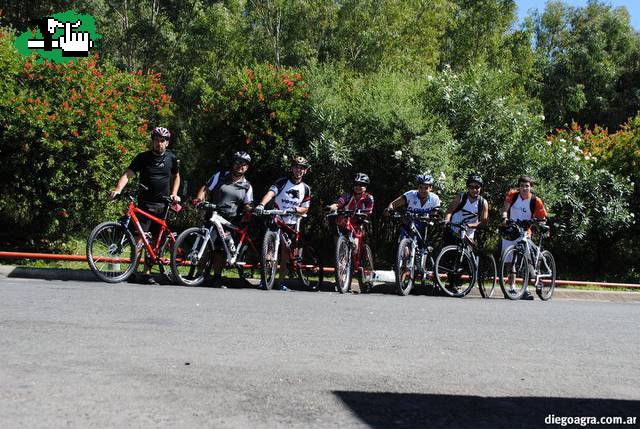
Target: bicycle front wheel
{"x":269,"y":258}
{"x":310,"y":269}
{"x":405,"y":267}
{"x":192,"y":257}
{"x":547,"y":282}
{"x":112,"y":252}
{"x":514,"y":272}
{"x":487,"y":275}
{"x":455,"y":271}
{"x":248,"y":262}
{"x":366,"y":269}
{"x":344,"y":264}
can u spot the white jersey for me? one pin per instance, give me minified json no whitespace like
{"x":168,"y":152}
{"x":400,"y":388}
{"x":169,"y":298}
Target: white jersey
{"x":414,"y":204}
{"x":461,"y":215}
{"x":290,"y":195}
{"x":521,"y":209}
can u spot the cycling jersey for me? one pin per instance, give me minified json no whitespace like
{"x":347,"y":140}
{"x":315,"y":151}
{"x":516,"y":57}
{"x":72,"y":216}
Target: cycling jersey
{"x":230,"y":196}
{"x":290,"y":195}
{"x":521,"y":210}
{"x":460,"y":215}
{"x":155,"y":173}
{"x":350,"y":201}
{"x":414,"y":204}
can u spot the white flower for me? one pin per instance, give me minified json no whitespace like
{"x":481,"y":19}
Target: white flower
{"x":578,"y":139}
{"x":549,"y":142}
{"x":563,"y":141}
{"x":564,"y":150}
{"x":442,"y":176}
{"x":577,"y":177}
{"x":429,"y":78}
{"x":542,"y":117}
{"x":587,"y":157}
{"x":397,"y":154}
{"x":576,"y":148}
{"x":411,"y":159}
{"x":633,"y":215}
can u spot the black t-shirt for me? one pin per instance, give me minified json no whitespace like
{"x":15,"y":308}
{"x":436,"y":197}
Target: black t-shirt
{"x":155,"y":173}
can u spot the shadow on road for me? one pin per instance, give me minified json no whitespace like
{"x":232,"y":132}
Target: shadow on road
{"x":454,"y":411}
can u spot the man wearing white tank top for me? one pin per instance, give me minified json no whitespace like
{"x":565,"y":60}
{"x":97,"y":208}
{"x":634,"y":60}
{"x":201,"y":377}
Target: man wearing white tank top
{"x":469,"y":207}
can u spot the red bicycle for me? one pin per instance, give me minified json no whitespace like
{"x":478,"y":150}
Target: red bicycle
{"x":303,"y":259}
{"x":113,"y":252}
{"x":353,"y":254}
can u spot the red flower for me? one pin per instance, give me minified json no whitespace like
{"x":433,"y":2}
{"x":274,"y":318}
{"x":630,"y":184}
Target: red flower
{"x":75,"y":133}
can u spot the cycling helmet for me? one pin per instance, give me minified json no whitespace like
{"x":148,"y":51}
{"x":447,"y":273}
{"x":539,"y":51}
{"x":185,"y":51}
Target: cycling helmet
{"x":301,"y":160}
{"x":241,"y":156}
{"x":161,"y":132}
{"x":361,"y":178}
{"x":424,"y":179}
{"x":474,"y":178}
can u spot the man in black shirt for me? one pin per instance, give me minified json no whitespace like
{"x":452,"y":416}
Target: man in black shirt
{"x":157,"y":168}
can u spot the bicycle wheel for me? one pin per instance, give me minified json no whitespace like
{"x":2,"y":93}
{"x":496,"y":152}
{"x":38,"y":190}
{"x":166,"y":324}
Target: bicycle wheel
{"x":344,"y":264}
{"x":546,"y":284}
{"x":112,"y":252}
{"x":487,"y":275}
{"x":405,"y":267}
{"x":455,"y":271}
{"x":310,"y":269}
{"x":269,"y":259}
{"x":248,"y":262}
{"x":366,"y":269}
{"x":192,"y":257}
{"x":514,"y":272}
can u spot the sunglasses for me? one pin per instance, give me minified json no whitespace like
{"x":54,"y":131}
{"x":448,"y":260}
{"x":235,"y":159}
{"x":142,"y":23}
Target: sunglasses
{"x":473,"y":186}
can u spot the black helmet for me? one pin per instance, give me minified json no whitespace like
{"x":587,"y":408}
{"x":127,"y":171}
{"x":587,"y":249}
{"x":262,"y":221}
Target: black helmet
{"x":301,"y":160}
{"x":475,"y":178}
{"x":361,"y":178}
{"x":241,"y":156}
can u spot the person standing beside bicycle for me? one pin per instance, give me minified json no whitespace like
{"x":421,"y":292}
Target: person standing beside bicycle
{"x":160,"y":175}
{"x":469,"y":208}
{"x":522,"y":204}
{"x":232,"y":193}
{"x":289,"y":193}
{"x":420,"y":200}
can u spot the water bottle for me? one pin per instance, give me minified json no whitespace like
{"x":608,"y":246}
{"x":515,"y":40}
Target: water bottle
{"x":230,"y":244}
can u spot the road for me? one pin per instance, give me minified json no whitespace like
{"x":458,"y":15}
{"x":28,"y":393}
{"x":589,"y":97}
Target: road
{"x":87,"y":354}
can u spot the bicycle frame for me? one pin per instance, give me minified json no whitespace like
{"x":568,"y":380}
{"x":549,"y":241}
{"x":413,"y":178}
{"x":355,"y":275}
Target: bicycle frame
{"x":355,"y":232}
{"x":418,"y":240}
{"x":292,"y":244}
{"x":217,"y":229}
{"x":132,"y":210}
{"x":532,"y":252}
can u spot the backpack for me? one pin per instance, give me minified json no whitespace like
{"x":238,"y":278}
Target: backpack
{"x":463,"y":201}
{"x":532,"y":203}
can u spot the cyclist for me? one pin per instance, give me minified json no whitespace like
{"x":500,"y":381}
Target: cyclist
{"x":289,"y":193}
{"x":522,"y":204}
{"x":420,"y":200}
{"x":233,"y":194}
{"x":160,"y":174}
{"x":358,"y":199}
{"x":469,"y":202}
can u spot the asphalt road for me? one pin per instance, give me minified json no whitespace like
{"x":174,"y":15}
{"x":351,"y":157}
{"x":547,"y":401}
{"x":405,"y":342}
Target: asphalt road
{"x":86,"y":354}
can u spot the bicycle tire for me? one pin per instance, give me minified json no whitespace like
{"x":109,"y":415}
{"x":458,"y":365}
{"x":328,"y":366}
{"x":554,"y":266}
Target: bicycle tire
{"x":344,"y":265}
{"x":545,"y":291}
{"x":187,"y":268}
{"x":309,"y":268}
{"x":269,"y":259}
{"x":487,"y":275}
{"x":117,"y":242}
{"x":455,"y":271}
{"x":519,"y":269}
{"x":251,"y":262}
{"x":405,"y":268}
{"x":366,"y":269}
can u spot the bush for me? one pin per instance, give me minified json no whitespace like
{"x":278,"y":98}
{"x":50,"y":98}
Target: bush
{"x":68,"y":132}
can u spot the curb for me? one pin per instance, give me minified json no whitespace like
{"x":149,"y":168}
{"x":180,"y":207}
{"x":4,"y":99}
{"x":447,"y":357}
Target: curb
{"x":64,"y":274}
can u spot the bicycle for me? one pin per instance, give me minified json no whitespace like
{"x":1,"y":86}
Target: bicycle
{"x":353,"y":254}
{"x":460,"y":266}
{"x":303,"y":259}
{"x":112,"y":250}
{"x":525,"y":259}
{"x":414,"y":254}
{"x":192,"y":256}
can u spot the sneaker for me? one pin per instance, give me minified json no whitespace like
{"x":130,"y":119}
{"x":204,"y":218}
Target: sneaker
{"x":283,"y":287}
{"x":262,"y":286}
{"x":527,"y":296}
{"x":149,"y":280}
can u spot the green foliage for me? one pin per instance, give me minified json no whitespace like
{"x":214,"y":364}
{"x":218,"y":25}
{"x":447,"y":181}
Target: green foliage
{"x":69,"y":131}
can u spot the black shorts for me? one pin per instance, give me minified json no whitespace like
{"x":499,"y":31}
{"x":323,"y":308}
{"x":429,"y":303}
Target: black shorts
{"x":155,"y":209}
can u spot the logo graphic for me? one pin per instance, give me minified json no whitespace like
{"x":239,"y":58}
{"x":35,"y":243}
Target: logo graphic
{"x":60,"y":37}
{"x":295,"y":194}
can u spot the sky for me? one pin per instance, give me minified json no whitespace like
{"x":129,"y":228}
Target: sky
{"x":633,"y":6}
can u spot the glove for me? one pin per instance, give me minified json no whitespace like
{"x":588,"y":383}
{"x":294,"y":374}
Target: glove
{"x":259,"y":209}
